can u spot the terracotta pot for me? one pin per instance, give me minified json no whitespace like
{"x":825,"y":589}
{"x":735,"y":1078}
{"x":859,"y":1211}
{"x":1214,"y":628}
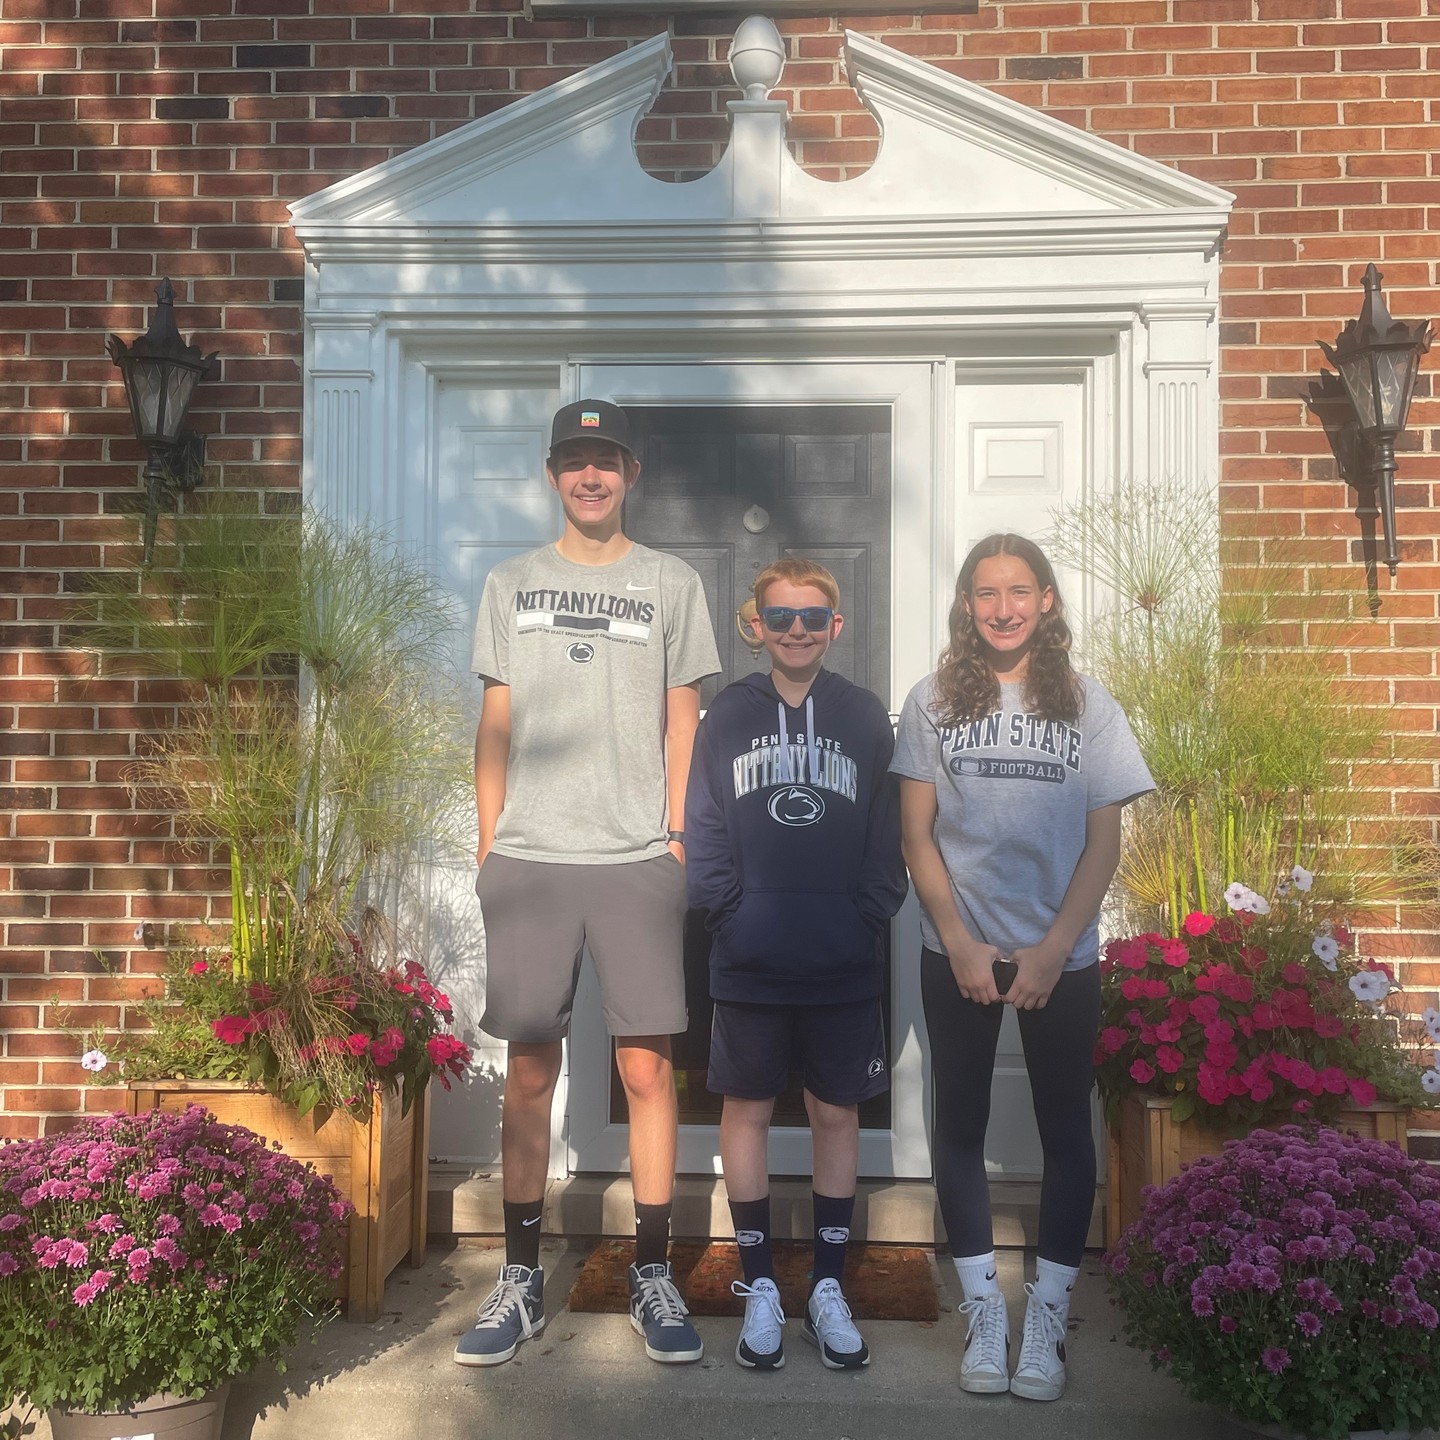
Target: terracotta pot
{"x":162,"y":1417}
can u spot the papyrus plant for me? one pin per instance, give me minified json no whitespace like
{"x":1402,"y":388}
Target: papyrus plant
{"x":318,"y":746}
{"x":1258,"y":748}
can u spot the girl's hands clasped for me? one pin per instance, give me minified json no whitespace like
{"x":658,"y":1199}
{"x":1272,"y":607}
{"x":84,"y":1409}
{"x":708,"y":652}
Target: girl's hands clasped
{"x":973,"y":966}
{"x":1040,"y":967}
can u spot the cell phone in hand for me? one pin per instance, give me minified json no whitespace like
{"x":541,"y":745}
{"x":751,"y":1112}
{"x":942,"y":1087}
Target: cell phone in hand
{"x":1005,"y":973}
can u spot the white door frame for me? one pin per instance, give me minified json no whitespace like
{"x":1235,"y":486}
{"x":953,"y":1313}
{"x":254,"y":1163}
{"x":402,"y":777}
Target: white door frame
{"x":919,"y":554}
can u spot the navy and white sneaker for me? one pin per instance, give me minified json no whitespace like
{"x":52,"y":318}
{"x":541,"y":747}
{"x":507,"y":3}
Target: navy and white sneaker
{"x":829,"y":1327}
{"x":1040,"y":1373}
{"x":658,"y":1315}
{"x":510,"y":1314}
{"x":761,"y":1346}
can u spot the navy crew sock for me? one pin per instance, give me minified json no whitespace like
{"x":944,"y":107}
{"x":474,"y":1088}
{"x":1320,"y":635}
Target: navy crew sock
{"x":751,"y":1219}
{"x":832,"y":1234}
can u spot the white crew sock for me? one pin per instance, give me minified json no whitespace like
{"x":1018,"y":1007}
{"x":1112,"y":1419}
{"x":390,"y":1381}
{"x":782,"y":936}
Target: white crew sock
{"x":1054,"y":1284}
{"x":977,"y":1275}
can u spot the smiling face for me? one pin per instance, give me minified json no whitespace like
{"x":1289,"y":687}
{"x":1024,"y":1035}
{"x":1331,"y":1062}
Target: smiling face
{"x":1006,"y":602}
{"x":796,"y":653}
{"x":592,"y":478}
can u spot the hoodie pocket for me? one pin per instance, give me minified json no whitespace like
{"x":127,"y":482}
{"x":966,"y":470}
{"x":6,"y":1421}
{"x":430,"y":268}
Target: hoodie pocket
{"x":797,"y":932}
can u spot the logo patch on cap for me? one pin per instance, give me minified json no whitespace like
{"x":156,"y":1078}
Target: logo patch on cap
{"x":590,"y":418}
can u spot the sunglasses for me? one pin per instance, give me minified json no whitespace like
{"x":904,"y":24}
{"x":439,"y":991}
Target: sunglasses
{"x":781,"y":617}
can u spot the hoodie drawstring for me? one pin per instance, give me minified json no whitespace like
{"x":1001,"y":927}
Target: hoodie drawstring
{"x":812,"y":747}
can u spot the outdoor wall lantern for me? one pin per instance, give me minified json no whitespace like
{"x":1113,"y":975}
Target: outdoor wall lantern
{"x":1377,"y":358}
{"x":161,"y":372}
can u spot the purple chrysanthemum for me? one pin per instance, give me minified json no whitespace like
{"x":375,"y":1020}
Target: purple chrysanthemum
{"x":1276,"y":1359}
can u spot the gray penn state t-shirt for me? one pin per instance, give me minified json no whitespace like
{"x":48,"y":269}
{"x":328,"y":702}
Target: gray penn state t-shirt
{"x":1013,"y":792}
{"x":588,"y":652}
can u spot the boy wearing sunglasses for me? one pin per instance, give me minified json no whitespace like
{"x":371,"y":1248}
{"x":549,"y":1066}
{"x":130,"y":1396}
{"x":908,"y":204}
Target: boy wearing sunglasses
{"x":793,"y":852}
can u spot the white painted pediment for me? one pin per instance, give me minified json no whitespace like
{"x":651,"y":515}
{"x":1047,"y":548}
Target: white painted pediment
{"x":565,"y":157}
{"x":950,"y":146}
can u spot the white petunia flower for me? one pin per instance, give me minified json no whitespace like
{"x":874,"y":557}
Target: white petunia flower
{"x":1327,"y":950}
{"x":1430,"y":1080}
{"x":1370,"y":986}
{"x":1302,"y":877}
{"x":1431,"y":1017}
{"x":1244,"y":900}
{"x":1237,"y":896}
{"x":94,"y":1060}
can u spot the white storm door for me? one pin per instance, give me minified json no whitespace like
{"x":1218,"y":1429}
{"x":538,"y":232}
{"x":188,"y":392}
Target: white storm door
{"x":1023,"y":447}
{"x":597,"y":1134}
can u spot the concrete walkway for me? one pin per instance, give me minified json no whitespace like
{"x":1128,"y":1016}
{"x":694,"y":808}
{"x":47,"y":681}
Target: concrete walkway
{"x":587,"y":1378}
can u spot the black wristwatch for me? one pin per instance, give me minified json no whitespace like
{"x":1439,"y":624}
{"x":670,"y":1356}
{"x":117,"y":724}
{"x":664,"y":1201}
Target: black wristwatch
{"x":677,"y":836}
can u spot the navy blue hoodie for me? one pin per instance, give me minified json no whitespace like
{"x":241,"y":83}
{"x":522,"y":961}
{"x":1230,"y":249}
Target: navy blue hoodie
{"x":792,"y":842}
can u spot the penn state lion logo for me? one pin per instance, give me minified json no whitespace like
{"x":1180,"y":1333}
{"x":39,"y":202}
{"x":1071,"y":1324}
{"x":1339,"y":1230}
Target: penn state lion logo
{"x":796,"y":805}
{"x":581,"y":653}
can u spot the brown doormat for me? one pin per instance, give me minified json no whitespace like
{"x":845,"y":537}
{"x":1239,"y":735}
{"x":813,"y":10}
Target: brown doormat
{"x":882,"y":1282}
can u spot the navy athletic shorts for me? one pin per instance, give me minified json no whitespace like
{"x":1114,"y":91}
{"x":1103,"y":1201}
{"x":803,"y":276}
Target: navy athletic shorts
{"x":839,"y":1050}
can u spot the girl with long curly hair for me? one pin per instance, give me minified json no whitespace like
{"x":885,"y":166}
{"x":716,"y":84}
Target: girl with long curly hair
{"x":1014,"y":770}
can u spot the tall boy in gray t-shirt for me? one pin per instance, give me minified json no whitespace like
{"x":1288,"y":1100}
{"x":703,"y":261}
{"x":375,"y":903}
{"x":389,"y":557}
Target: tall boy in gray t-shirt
{"x":592,"y":651}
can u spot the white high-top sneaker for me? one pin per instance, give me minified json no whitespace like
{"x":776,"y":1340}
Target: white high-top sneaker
{"x":1040,"y":1375}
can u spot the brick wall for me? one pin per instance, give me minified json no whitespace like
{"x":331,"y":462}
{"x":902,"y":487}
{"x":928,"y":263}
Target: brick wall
{"x":141,"y":138}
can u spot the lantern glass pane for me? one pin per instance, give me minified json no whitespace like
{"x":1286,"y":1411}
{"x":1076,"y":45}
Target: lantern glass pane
{"x":179,"y":386}
{"x":1360,"y":386}
{"x":1392,"y":376}
{"x":144,"y":387}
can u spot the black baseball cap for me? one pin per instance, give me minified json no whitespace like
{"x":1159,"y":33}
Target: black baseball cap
{"x":591,"y":420}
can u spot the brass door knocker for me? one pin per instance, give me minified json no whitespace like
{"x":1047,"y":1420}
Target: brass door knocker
{"x":747,"y":613}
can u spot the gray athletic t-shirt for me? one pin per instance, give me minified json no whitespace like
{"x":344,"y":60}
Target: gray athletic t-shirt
{"x":1013,"y":792}
{"x":588,"y":652}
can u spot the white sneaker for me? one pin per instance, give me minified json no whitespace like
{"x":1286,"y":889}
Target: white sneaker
{"x":761,"y":1346}
{"x":1040,"y":1375}
{"x":828,"y":1326}
{"x":985,"y":1370}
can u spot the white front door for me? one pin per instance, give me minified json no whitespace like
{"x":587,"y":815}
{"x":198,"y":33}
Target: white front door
{"x":597,"y":1134}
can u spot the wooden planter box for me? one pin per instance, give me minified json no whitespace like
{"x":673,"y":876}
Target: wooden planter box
{"x":379,"y":1162}
{"x":1148,"y":1147}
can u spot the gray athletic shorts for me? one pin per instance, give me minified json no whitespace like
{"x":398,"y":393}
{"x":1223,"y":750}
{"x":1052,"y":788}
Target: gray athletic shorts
{"x":539,"y":917}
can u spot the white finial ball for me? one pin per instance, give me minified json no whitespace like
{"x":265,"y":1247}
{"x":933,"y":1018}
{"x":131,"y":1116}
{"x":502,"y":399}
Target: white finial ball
{"x":757,"y":57}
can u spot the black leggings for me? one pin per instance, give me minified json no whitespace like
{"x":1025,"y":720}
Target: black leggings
{"x":1059,"y":1046}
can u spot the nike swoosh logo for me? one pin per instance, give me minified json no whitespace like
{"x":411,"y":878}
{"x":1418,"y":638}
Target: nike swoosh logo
{"x":990,"y":1276}
{"x":631,"y":585}
{"x":528,"y":1223}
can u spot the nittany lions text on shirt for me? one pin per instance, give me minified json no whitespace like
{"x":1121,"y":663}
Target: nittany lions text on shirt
{"x":792,"y":842}
{"x":1012,"y":791}
{"x":588,"y":652}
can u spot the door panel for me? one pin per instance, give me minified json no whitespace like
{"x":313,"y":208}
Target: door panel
{"x":767,"y":481}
